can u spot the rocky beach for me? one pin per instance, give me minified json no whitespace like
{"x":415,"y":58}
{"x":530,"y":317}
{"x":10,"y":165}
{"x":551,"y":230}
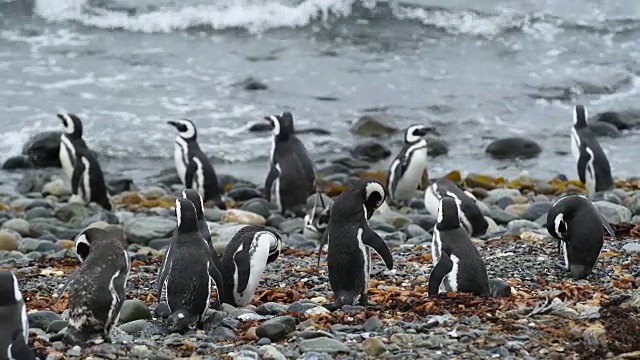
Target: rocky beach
{"x":545,"y":316}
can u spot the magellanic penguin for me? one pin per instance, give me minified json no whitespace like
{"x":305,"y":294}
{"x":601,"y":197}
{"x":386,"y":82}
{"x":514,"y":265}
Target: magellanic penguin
{"x":291,"y":176}
{"x":97,"y":288}
{"x":14,"y":335}
{"x":578,"y":225}
{"x":81,"y":165}
{"x":458,"y":265}
{"x":193,"y":167}
{"x":203,"y":227}
{"x":593,"y":167}
{"x":187,"y":272}
{"x":471,"y":218}
{"x":317,"y":218}
{"x":405,"y":172}
{"x":350,"y":238}
{"x":244,"y":261}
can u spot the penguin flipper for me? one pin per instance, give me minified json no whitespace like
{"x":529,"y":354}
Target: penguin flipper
{"x":271,"y":177}
{"x":607,"y":227}
{"x":78,"y":169}
{"x":374,"y":241}
{"x":582,"y":166}
{"x":243,"y":264}
{"x":164,"y":272}
{"x":189,"y":174}
{"x":19,"y":347}
{"x":118,"y":283}
{"x":323,"y":240}
{"x":442,"y":268}
{"x":66,"y":284}
{"x":215,"y":274}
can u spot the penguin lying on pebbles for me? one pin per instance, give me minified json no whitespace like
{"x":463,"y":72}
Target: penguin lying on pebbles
{"x":14,"y":335}
{"x":405,"y":172}
{"x":187,"y":272}
{"x":97,"y":288}
{"x":579,"y":227}
{"x":317,"y":218}
{"x":458,"y":265}
{"x":350,"y":239}
{"x":244,"y":261}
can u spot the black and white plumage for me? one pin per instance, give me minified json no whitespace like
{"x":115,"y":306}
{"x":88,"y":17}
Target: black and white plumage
{"x":245,"y":259}
{"x":471,"y":218}
{"x":97,"y":288}
{"x":14,"y":334}
{"x":291,"y":176}
{"x":203,"y":227}
{"x":187,"y":273}
{"x":81,"y":165}
{"x":579,"y":228}
{"x":316,"y":220}
{"x":350,"y":239}
{"x":193,"y":167}
{"x":406,"y":170}
{"x":592,"y":164}
{"x":458,"y":265}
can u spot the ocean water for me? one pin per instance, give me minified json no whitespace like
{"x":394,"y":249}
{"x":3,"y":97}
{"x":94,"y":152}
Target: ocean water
{"x":476,"y":70}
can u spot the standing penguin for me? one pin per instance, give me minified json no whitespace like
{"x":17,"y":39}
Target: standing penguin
{"x":193,"y":167}
{"x":14,"y":336}
{"x":81,"y":165}
{"x":317,"y":218}
{"x":187,"y":272}
{"x":97,"y":288}
{"x":203,"y":227}
{"x":244,"y":261}
{"x":291,"y":175}
{"x":593,"y":167}
{"x":405,"y":173}
{"x":350,"y":238}
{"x":578,"y":225}
{"x":471,"y":217}
{"x":458,"y":265}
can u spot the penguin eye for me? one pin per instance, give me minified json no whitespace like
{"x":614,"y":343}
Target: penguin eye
{"x":82,"y":249}
{"x":182,"y":127}
{"x":562,"y":227}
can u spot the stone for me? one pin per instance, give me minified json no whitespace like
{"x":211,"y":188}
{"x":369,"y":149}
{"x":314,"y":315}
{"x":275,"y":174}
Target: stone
{"x":622,"y":120}
{"x":73,"y":211}
{"x":17,"y":162}
{"x":323,"y":344}
{"x":56,"y":187}
{"x":243,"y":192}
{"x":634,"y":203}
{"x":56,"y":326}
{"x":395,"y":219}
{"x":243,"y":217}
{"x":372,"y":324}
{"x":244,"y":355}
{"x":8,"y":241}
{"x":499,"y":288}
{"x":513,"y":148}
{"x":66,"y":244}
{"x":42,"y":319}
{"x":20,"y":226}
{"x":271,"y":308}
{"x":373,"y":346}
{"x":371,"y":150}
{"x":269,"y":352}
{"x":154,"y":193}
{"x":43,"y":149}
{"x":134,"y":310}
{"x":252,"y":84}
{"x":517,"y":209}
{"x":537,"y":209}
{"x":222,"y":333}
{"x":32,"y":181}
{"x":500,"y":216}
{"x":374,"y":126}
{"x":436,"y":146}
{"x":291,"y":226}
{"x":517,"y":226}
{"x":258,"y":206}
{"x":38,"y":212}
{"x":500,"y":193}
{"x":141,"y":230}
{"x":277,"y":328}
{"x":632,"y":248}
{"x":120,"y":185}
{"x":602,"y":129}
{"x":28,"y":245}
{"x":427,"y":222}
{"x":613,"y":213}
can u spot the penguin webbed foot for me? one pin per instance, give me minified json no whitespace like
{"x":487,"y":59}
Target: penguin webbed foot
{"x":364,"y":300}
{"x":561,"y":265}
{"x":162,"y":311}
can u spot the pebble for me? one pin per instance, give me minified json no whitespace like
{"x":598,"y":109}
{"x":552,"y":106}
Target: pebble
{"x":42,"y":319}
{"x":536,"y":210}
{"x":373,"y":346}
{"x":20,"y":226}
{"x":134,"y":310}
{"x":37,"y":212}
{"x":323,"y":344}
{"x":269,"y":352}
{"x":277,"y":328}
{"x":57,"y":188}
{"x":632,"y":248}
{"x":501,"y":193}
{"x":291,"y":226}
{"x":8,"y":241}
{"x":258,"y":206}
{"x":517,"y":226}
{"x":372,"y":324}
{"x":615,"y":214}
{"x":243,"y":217}
{"x":141,"y":230}
{"x":134,"y":326}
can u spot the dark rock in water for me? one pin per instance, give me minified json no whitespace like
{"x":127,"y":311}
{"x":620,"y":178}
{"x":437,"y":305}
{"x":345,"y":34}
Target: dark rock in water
{"x":120,"y":185}
{"x":313,"y":131}
{"x":243,"y":192}
{"x":33,"y":181}
{"x":277,"y":328}
{"x":352,"y":163}
{"x":261,"y":127}
{"x":499,"y":288}
{"x":42,"y":319}
{"x":252,"y":84}
{"x":374,"y":126}
{"x":371,"y":151}
{"x":332,"y":169}
{"x":168,"y":177}
{"x":601,"y":128}
{"x":17,"y":162}
{"x":436,"y":146}
{"x":43,"y":149}
{"x":228,"y":181}
{"x":623,"y":120}
{"x":258,"y":206}
{"x":535,"y":210}
{"x":513,"y":147}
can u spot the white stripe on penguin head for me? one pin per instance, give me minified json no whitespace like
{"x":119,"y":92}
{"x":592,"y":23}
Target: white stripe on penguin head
{"x":81,"y":239}
{"x":559,"y":220}
{"x":374,"y":187}
{"x":69,"y":125}
{"x":440,"y":212}
{"x":190,"y":131}
{"x":276,"y":124}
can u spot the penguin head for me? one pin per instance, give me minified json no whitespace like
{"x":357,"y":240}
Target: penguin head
{"x":186,"y":216}
{"x":72,"y":125}
{"x":196,"y":199}
{"x":580,"y":116}
{"x":186,"y":128}
{"x":562,"y":212}
{"x":374,"y":195}
{"x":448,"y":214}
{"x":275,"y":246}
{"x":415,"y":133}
{"x":9,"y":289}
{"x":282,"y":125}
{"x":85,"y":239}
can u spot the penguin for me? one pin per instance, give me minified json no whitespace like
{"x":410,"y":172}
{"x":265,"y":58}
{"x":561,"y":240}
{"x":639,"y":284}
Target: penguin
{"x":187,"y":272}
{"x":405,"y":172}
{"x":97,"y":288}
{"x":70,"y":140}
{"x":593,"y":167}
{"x":317,"y":215}
{"x":350,"y":237}
{"x":81,"y":165}
{"x":471,"y":218}
{"x":291,"y":177}
{"x":193,"y":167}
{"x":14,"y":337}
{"x":458,"y":265}
{"x":203,"y":227}
{"x":579,"y":228}
{"x":245,"y":259}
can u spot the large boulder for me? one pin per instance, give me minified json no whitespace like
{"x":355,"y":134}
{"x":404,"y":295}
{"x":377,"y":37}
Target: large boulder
{"x":623,"y":120}
{"x":371,"y":150}
{"x":43,"y":149}
{"x":375,"y":126}
{"x":513,"y":147}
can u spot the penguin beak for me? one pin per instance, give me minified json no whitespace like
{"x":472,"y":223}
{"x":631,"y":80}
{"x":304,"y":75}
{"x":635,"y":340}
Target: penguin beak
{"x":269,"y":119}
{"x":172,"y":123}
{"x":61,"y":117}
